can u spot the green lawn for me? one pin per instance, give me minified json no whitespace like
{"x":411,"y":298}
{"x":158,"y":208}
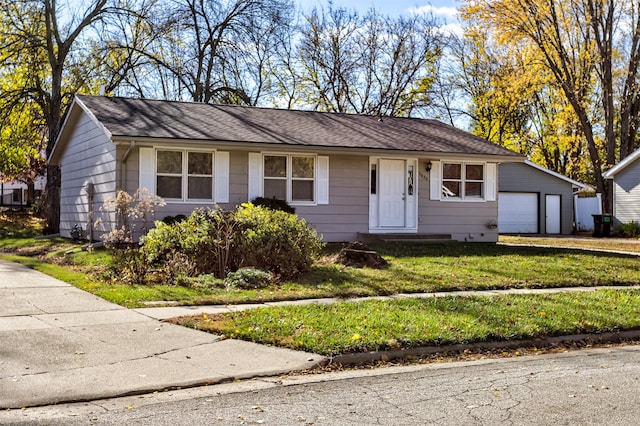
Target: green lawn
{"x":413,"y":268}
{"x":407,"y":323}
{"x":375,"y":325}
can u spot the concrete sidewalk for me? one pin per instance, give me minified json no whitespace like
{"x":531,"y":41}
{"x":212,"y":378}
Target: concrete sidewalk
{"x":163,"y":313}
{"x":61,"y":344}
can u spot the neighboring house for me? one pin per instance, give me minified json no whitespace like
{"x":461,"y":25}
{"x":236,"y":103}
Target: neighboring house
{"x":626,"y":189}
{"x":347,"y":175}
{"x":14,"y":193}
{"x":535,"y":200}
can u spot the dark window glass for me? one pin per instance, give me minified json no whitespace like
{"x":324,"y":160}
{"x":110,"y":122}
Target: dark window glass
{"x":275,"y":188}
{"x":374,"y":179}
{"x":275,"y":166}
{"x":302,"y":190}
{"x":451,"y":171}
{"x":169,"y":186}
{"x":451,"y":189}
{"x":200,"y":163}
{"x":169,"y":162}
{"x":474,"y":172}
{"x":200,"y":188}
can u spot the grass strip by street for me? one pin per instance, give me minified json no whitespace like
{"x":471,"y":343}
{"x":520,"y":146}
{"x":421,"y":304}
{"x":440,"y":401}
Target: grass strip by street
{"x":409,"y":323}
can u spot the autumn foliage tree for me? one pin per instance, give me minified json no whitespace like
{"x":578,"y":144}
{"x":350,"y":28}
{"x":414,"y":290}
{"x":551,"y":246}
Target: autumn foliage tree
{"x":591,"y":50}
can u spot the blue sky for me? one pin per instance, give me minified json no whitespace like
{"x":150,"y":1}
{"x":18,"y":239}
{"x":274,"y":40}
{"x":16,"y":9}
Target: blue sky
{"x":442,"y":8}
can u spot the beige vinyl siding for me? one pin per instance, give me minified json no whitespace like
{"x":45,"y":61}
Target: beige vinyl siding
{"x":464,"y":221}
{"x":347,"y":213}
{"x":520,"y":177}
{"x":89,"y":157}
{"x":626,"y":194}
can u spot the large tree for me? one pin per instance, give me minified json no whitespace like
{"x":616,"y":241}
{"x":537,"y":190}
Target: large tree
{"x":367,"y":65}
{"x":511,"y":100}
{"x":203,"y":51}
{"x":591,"y":49}
{"x":42,"y":67}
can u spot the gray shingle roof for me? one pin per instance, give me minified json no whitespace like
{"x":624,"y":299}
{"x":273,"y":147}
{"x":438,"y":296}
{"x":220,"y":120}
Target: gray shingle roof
{"x":142,"y":118}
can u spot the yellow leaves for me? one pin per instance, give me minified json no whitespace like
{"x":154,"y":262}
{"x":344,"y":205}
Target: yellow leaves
{"x":356,"y":337}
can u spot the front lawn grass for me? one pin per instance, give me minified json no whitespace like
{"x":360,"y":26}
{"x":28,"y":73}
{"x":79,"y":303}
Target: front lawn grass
{"x":631,"y":245}
{"x":413,"y":268}
{"x":407,"y":323}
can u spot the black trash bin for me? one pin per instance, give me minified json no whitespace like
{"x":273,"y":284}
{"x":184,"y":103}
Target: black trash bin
{"x":601,"y":225}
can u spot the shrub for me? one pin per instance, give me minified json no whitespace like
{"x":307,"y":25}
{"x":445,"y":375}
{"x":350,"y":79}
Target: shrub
{"x":273,"y":204}
{"x":207,"y":281}
{"x":629,"y":230}
{"x":212,"y":241}
{"x":248,"y":278}
{"x":129,"y":264}
{"x":207,"y":238}
{"x":276,"y":241}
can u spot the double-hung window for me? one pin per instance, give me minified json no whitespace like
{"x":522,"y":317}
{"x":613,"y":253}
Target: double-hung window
{"x":184,"y":175}
{"x":463,"y":181}
{"x":289,"y":177}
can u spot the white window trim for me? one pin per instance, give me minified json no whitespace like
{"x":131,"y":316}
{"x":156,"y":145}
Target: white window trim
{"x":289,"y":178}
{"x":255,"y":178}
{"x":463,"y":180}
{"x":219,"y":183}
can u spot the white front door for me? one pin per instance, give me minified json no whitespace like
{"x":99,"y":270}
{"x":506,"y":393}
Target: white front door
{"x":392,"y":193}
{"x":552,"y":206}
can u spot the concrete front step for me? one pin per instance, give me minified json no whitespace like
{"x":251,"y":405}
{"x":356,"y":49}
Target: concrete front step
{"x":412,"y":238}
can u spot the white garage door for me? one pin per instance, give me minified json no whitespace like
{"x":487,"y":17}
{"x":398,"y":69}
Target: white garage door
{"x":517,"y":213}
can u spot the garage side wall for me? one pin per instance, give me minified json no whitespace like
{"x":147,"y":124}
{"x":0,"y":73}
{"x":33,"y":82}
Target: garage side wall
{"x":87,"y":165}
{"x":522,"y":178}
{"x":626,"y":194}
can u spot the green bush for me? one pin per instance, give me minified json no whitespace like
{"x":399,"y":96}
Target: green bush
{"x":211,"y":241}
{"x":206,"y":238}
{"x":248,"y":279}
{"x":276,"y":241}
{"x":629,"y":230}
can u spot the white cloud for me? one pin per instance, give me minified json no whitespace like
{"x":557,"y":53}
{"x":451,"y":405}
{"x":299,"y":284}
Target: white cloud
{"x":447,"y":15}
{"x":442,"y":11}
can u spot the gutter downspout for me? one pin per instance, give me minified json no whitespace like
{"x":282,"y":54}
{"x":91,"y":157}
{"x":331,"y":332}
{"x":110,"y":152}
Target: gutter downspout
{"x":123,"y":165}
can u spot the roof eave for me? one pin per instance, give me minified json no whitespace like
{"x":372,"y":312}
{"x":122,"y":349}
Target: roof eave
{"x":557,"y":175}
{"x":609,"y":174}
{"x":74,"y":110}
{"x":260,"y":146}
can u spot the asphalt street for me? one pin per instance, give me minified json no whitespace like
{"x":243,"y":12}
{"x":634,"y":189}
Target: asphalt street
{"x":584,"y":387}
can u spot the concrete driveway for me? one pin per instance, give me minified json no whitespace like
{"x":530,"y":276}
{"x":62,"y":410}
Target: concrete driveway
{"x":61,"y":344}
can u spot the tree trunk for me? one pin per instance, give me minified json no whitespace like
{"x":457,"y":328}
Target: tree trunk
{"x":51,"y":201}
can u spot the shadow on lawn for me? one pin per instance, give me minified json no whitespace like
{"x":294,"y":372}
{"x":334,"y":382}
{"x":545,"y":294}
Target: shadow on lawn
{"x":459,"y":249}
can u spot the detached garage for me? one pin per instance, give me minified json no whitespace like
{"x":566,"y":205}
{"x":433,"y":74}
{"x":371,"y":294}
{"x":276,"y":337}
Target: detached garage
{"x":534,"y":200}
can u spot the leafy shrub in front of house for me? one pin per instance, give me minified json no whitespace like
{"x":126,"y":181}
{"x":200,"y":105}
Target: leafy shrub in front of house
{"x":276,"y":241}
{"x":248,"y":279}
{"x":628,"y":230}
{"x":206,"y":240}
{"x":273,"y":204}
{"x":212,"y":241}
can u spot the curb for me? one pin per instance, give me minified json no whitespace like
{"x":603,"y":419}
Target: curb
{"x":353,"y":359}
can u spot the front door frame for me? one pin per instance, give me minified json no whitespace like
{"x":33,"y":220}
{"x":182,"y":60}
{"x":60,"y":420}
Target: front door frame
{"x":409,"y":195}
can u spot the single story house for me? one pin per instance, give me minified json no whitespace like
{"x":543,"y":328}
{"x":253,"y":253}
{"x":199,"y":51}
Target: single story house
{"x":348,"y":175}
{"x":626,"y":189}
{"x":535,"y":200}
{"x":13,"y":193}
